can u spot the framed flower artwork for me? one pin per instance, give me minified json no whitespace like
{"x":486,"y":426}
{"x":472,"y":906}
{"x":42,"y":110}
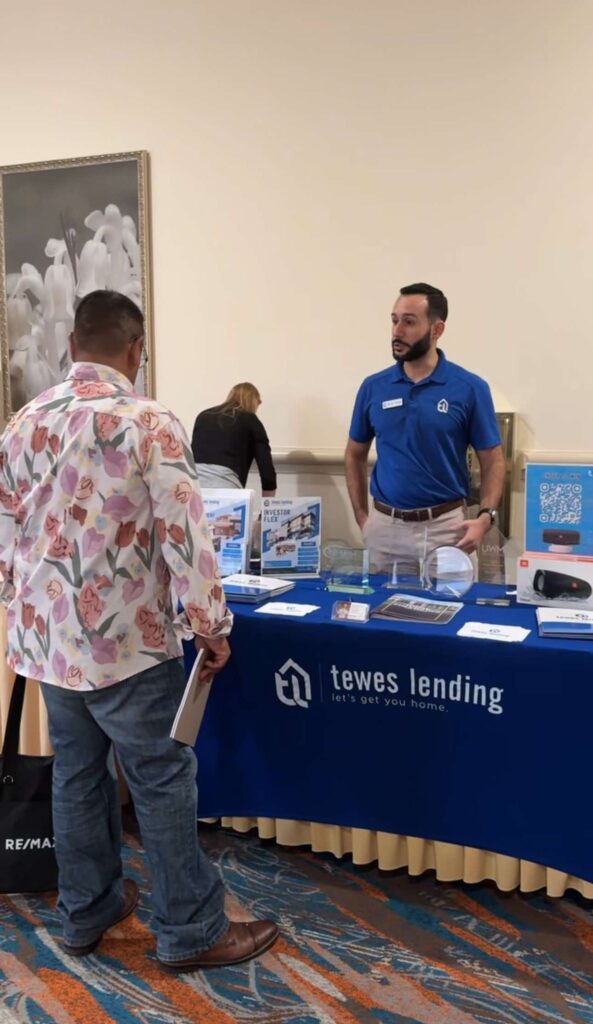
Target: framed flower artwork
{"x":67,"y":227}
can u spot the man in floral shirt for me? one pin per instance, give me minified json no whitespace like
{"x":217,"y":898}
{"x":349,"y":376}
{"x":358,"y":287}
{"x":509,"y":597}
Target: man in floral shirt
{"x":102,"y":533}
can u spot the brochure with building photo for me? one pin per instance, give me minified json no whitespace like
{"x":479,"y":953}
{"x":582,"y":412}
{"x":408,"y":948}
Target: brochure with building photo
{"x":229,"y":514}
{"x":406,"y":608}
{"x":291,"y":537}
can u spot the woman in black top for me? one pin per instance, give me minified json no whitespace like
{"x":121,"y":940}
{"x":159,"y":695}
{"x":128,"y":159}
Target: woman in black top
{"x":227,"y":438}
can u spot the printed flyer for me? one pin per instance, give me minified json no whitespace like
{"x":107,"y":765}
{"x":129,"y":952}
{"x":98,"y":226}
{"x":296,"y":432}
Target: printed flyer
{"x":229,"y":515}
{"x":291,"y":536}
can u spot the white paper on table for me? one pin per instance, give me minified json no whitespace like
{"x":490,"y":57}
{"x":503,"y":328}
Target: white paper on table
{"x":489,"y":631}
{"x":284,"y":608}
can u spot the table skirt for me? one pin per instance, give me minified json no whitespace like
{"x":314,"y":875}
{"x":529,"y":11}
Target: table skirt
{"x":450,"y":862}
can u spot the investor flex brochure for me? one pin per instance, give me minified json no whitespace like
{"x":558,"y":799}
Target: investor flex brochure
{"x":291,"y":537}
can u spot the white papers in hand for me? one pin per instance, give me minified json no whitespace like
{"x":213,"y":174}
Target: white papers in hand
{"x":190,"y":712}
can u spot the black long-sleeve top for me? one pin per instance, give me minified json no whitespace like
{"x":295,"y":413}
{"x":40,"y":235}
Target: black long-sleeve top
{"x":234,"y":438}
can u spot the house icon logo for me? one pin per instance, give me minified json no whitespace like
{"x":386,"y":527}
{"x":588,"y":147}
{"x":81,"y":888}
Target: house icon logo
{"x":443,"y":405}
{"x":293,"y":685}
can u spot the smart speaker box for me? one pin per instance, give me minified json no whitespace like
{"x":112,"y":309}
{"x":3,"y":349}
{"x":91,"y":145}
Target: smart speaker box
{"x":555,"y":581}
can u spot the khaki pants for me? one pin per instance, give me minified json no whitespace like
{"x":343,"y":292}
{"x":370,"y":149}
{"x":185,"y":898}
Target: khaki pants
{"x":391,"y":540}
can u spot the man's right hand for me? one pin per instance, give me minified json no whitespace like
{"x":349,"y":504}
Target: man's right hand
{"x":362,"y":519}
{"x":217,"y":653}
{"x":355,"y":465}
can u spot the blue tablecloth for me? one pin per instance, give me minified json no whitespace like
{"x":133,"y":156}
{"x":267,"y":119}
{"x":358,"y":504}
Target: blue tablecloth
{"x":405,"y":728}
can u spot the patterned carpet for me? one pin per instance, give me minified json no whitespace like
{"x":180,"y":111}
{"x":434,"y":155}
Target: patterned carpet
{"x":358,"y":947}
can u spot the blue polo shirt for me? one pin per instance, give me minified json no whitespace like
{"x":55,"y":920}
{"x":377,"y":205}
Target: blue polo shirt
{"x":423,"y":431}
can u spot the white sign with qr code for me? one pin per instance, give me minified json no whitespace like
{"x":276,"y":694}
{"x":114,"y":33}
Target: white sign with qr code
{"x":559,"y":508}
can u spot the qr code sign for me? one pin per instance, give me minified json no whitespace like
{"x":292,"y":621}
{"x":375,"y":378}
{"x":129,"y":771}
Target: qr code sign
{"x":560,"y":503}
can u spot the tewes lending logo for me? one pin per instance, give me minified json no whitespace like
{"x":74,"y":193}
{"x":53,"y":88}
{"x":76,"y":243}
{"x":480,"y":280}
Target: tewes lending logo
{"x":293,"y":685}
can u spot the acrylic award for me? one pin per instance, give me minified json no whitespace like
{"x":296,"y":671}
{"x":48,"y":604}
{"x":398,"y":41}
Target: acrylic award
{"x":347,"y":569}
{"x":497,"y":558}
{"x":448,"y":572}
{"x":406,"y":569}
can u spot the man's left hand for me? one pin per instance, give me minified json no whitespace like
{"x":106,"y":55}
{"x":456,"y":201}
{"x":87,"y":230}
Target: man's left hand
{"x":472,"y":533}
{"x":216,"y":654}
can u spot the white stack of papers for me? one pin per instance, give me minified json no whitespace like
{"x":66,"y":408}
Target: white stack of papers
{"x":490,"y":631}
{"x":284,"y":608}
{"x":565,"y":622}
{"x":251,"y":589}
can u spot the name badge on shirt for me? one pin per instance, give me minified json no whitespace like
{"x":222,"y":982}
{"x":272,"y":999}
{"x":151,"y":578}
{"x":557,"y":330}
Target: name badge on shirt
{"x":392,"y":403}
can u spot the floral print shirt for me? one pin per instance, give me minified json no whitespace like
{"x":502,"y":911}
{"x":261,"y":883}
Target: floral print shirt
{"x":102,"y":533}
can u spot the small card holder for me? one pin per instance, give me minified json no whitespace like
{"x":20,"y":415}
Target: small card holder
{"x":350,"y":611}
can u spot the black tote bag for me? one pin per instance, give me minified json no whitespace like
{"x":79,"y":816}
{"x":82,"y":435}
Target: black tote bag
{"x":27,"y":859}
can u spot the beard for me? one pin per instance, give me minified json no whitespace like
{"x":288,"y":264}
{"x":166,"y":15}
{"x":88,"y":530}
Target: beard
{"x":415,"y":351}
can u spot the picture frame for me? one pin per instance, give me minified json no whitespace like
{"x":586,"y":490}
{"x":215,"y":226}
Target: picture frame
{"x":67,"y":227}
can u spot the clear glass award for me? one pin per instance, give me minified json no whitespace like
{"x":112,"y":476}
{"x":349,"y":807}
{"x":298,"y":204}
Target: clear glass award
{"x":448,"y":572}
{"x":407,"y":566}
{"x":347,"y":568}
{"x":406,"y":574}
{"x":497,"y":558}
{"x":490,"y":557}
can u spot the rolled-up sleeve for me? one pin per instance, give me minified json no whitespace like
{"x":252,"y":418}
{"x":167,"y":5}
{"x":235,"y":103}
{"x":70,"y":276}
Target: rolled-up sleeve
{"x":182,"y":531}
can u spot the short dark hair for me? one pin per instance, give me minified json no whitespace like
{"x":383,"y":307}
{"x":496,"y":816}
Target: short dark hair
{"x":106,"y":321}
{"x":438,"y":307}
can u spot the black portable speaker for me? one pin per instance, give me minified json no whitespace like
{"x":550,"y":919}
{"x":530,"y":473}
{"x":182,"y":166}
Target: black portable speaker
{"x":559,"y":584}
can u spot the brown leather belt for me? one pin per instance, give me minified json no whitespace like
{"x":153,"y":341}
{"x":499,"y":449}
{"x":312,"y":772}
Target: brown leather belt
{"x":418,"y":515}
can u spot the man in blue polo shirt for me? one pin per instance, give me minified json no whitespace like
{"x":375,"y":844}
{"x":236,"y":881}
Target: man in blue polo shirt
{"x":423,"y":413}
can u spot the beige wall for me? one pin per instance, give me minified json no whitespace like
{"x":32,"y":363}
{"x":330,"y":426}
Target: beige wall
{"x":308,"y":158}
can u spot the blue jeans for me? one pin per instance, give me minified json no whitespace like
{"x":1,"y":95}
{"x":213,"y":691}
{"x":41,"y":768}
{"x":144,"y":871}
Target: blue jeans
{"x":136,"y":716}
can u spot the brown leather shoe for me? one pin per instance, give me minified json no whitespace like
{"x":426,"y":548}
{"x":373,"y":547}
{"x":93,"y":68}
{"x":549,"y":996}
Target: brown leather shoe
{"x":130,"y":904}
{"x":241,"y":941}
